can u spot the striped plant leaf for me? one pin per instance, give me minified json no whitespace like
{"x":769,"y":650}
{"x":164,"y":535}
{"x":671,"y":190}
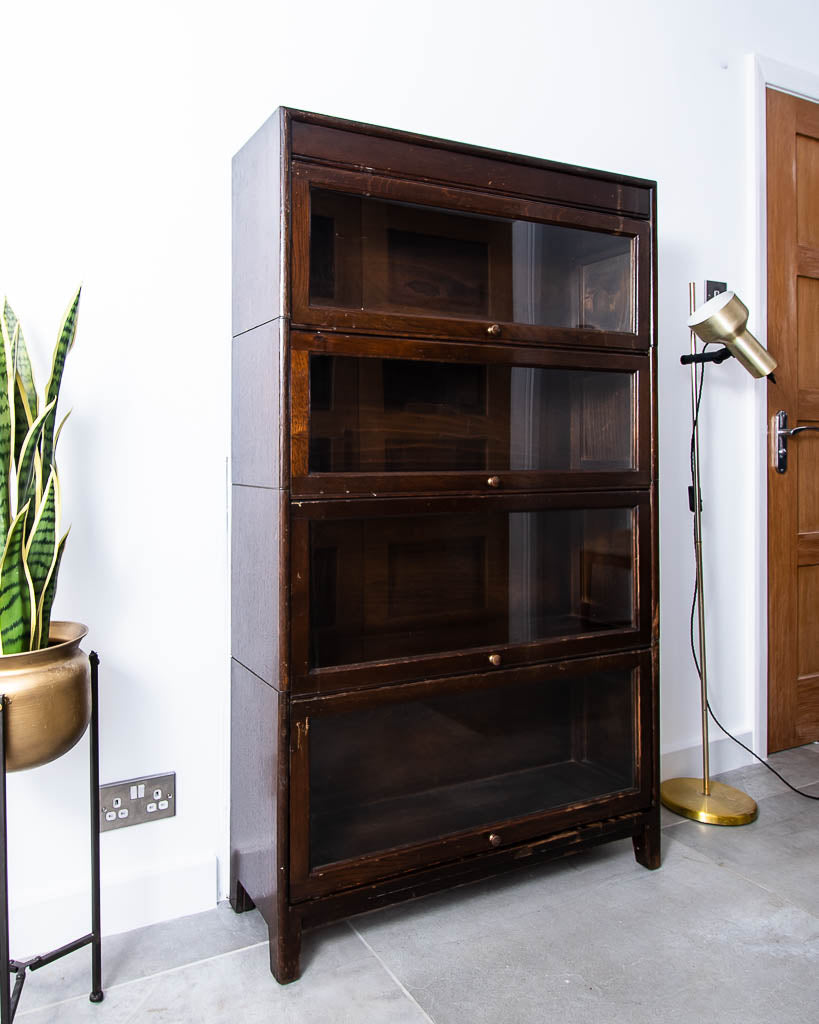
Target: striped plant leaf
{"x":39,"y":549}
{"x":22,"y":369}
{"x":9,"y":316}
{"x":38,"y":479}
{"x":60,"y":430}
{"x":6,"y":429}
{"x":25,"y":463}
{"x":16,"y":592}
{"x":47,"y":596}
{"x":61,"y":350}
{"x":21,"y":403}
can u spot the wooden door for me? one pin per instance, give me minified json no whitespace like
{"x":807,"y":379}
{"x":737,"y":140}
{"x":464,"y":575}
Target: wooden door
{"x":793,"y":497}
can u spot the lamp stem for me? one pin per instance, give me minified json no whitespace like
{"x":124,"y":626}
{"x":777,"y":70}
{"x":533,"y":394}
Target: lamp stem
{"x":706,"y":772}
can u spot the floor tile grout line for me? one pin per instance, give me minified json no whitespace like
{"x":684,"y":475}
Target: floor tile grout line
{"x":136,"y":981}
{"x":391,"y":973}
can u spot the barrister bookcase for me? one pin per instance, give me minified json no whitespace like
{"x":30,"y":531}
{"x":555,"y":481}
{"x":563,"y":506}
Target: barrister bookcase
{"x":444,"y":518}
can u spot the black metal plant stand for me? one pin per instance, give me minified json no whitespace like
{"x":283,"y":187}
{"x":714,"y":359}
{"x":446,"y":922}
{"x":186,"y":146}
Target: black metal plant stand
{"x":9,"y":999}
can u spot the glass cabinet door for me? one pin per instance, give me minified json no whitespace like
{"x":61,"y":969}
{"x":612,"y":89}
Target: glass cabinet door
{"x":377,"y":250}
{"x":408,"y":766}
{"x":382,"y":590}
{"x":370,"y":422}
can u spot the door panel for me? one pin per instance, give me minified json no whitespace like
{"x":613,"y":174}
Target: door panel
{"x":793,"y":497}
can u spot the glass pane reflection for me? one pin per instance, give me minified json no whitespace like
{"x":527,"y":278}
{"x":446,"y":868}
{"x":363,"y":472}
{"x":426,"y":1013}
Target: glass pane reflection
{"x":394,"y":257}
{"x":387,"y":588}
{"x":397,"y":415}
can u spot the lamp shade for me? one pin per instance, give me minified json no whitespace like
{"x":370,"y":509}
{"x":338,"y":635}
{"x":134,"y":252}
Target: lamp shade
{"x":723,"y":319}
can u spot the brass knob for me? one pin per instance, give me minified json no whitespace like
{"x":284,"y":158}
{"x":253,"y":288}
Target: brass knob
{"x":494,"y":839}
{"x":494,"y":481}
{"x":493,"y":330}
{"x":494,"y":659}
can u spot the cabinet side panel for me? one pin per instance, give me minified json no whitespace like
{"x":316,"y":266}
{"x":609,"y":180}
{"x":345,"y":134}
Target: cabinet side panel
{"x":257,"y":220}
{"x":257,"y":743}
{"x":255,"y":581}
{"x":256,"y":407}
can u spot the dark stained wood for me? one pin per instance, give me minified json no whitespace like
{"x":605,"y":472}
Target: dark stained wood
{"x":260,"y":227}
{"x":257,"y":406}
{"x":416,"y":884}
{"x":593,"y":420}
{"x":580,"y":640}
{"x":413,"y":156}
{"x":258,"y":813}
{"x":549,"y":745}
{"x":558,"y":678}
{"x":403,"y":322}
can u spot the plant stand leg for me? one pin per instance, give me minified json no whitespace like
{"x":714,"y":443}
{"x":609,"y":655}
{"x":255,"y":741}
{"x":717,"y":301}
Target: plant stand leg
{"x":97,"y":994}
{"x":5,"y":971}
{"x":8,"y":999}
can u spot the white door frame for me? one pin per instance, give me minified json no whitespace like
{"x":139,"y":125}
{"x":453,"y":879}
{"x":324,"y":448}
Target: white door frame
{"x":762,"y":72}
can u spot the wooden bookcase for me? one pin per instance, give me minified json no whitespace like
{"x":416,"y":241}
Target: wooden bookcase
{"x":444,"y":571}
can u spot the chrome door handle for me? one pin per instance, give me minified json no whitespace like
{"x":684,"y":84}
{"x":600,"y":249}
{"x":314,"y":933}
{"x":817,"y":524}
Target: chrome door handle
{"x":783,"y":432}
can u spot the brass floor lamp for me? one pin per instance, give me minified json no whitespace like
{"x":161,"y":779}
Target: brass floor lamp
{"x":722,"y":320}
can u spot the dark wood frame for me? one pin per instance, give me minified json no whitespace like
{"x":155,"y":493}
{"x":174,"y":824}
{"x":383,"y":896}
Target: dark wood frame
{"x":271,"y":699}
{"x":406,"y":324}
{"x":312,"y":485}
{"x":306,"y":883}
{"x":303,"y":679}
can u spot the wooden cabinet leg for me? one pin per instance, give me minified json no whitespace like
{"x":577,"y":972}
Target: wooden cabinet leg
{"x":239,"y":899}
{"x":285,"y":948}
{"x":647,"y":845}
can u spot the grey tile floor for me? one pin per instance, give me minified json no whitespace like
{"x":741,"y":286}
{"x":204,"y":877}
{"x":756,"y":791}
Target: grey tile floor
{"x":727,"y":930}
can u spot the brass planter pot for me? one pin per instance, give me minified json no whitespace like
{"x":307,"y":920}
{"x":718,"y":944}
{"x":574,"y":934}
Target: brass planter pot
{"x":48,"y":695}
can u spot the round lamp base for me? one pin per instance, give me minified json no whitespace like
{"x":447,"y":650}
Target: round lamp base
{"x":723,"y":806}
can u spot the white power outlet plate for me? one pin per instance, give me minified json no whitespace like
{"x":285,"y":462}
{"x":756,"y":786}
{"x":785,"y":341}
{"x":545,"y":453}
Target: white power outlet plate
{"x":135,"y":801}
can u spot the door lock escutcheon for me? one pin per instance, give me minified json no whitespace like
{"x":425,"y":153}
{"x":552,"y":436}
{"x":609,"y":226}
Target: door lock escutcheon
{"x":782,"y":433}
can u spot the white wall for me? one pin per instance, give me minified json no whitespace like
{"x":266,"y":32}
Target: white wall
{"x":119,"y":122}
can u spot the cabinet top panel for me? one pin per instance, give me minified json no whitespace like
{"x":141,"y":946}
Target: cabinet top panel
{"x":352,"y":144}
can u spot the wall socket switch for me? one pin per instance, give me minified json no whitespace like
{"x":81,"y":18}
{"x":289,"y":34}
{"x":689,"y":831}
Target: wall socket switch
{"x":135,"y":801}
{"x":713,"y":288}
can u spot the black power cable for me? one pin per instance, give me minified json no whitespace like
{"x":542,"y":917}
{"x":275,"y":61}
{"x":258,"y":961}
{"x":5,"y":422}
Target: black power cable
{"x":692,"y":499}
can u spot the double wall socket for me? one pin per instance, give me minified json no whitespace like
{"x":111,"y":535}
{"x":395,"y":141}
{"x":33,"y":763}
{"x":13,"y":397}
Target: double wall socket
{"x":135,"y":801}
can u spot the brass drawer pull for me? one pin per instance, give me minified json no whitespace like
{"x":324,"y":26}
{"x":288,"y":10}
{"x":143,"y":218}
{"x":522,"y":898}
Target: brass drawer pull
{"x":493,"y":330}
{"x":494,"y":481}
{"x":494,"y":659}
{"x":494,"y":839}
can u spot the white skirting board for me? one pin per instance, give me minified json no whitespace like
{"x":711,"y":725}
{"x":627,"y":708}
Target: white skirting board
{"x":158,"y":893}
{"x":725,"y":755}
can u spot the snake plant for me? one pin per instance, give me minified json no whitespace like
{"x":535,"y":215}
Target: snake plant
{"x":29,"y":486}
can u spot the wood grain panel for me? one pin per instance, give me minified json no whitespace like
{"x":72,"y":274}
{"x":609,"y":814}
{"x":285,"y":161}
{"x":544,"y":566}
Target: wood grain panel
{"x":808,"y":549}
{"x":808,"y":407}
{"x":436,"y":159}
{"x":803,"y":458}
{"x":807,"y":190}
{"x":807,"y":261}
{"x":255,"y":581}
{"x":259,"y":222}
{"x":808,"y":634}
{"x":782,"y":490}
{"x":807,"y":708}
{"x":807,"y":320}
{"x":256,"y":407}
